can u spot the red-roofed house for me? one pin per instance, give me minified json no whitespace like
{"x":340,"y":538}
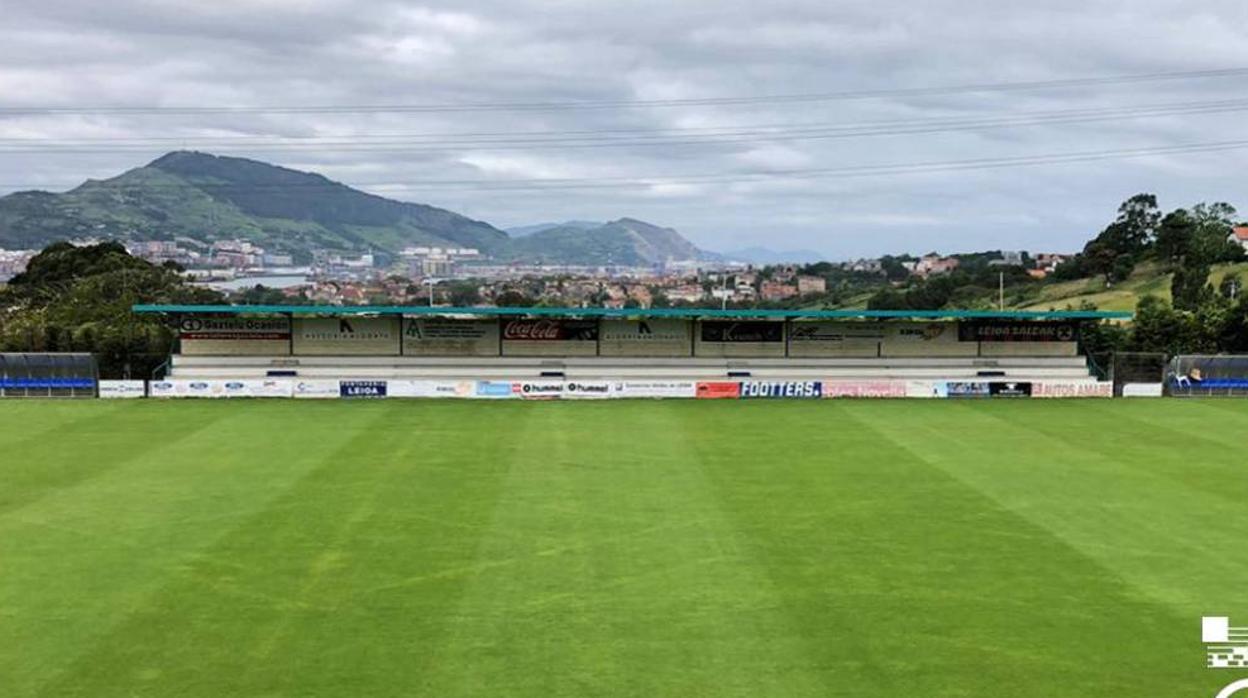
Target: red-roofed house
{"x":1239,"y":235}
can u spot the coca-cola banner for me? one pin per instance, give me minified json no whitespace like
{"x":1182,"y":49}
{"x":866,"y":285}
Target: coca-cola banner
{"x":1017,"y":331}
{"x":541,"y":337}
{"x":740,"y":338}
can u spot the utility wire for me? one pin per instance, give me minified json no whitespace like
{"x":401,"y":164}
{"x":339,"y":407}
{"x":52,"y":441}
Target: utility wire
{"x":618,"y":104}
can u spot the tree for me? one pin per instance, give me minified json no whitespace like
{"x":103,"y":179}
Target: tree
{"x":513,"y":299}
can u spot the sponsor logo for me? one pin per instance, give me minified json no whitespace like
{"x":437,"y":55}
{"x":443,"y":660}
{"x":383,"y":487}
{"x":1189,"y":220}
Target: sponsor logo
{"x":235,"y":386}
{"x":162,"y":386}
{"x":712,"y":390}
{"x":435,"y":329}
{"x":364,"y":389}
{"x":493,"y":389}
{"x":602,"y":388}
{"x":1073,"y":389}
{"x":880,"y":389}
{"x":824,"y":332}
{"x":550,"y":330}
{"x":538,"y":390}
{"x":1020,"y":331}
{"x":344,"y":330}
{"x":644,"y":331}
{"x":1008,"y":389}
{"x":781,"y":389}
{"x":968,"y":389}
{"x":925,"y":333}
{"x":198,"y":386}
{"x":1226,"y":647}
{"x":746,"y":331}
{"x":234,"y":328}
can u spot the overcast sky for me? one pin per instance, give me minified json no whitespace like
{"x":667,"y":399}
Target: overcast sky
{"x":727,"y":173}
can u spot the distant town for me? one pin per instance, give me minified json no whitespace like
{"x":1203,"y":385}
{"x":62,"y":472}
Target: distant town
{"x":464,"y":276}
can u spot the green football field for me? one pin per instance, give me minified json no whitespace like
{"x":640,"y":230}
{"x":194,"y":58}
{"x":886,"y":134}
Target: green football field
{"x":677,"y":548}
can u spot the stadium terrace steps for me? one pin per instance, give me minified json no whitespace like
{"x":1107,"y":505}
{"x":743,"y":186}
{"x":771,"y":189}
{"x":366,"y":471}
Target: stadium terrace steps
{"x":604,"y":368}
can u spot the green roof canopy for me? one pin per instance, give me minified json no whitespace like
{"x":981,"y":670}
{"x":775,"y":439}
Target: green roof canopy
{"x":633,"y":312}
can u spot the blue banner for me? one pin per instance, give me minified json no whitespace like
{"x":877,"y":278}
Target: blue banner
{"x":782,"y":389}
{"x":366,"y":389}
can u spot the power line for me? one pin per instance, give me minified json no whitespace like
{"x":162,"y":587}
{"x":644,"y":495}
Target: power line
{"x":617,"y":104}
{"x":545,"y":184}
{"x":744,"y":135}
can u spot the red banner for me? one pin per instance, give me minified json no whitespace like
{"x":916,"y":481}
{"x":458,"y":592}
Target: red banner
{"x":719,"y":390}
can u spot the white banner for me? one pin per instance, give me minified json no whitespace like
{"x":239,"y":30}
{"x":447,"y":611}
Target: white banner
{"x":925,"y":389}
{"x":323,"y":388}
{"x":431,"y":389}
{"x":587,"y":390}
{"x":1057,"y":389}
{"x":539,"y":390}
{"x":122,"y":390}
{"x":221,"y":388}
{"x":1141,"y":390}
{"x":655,"y":389}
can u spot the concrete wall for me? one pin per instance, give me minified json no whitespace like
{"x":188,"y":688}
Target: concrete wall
{"x":654,"y":337}
{"x":743,"y":339}
{"x":347,"y":336}
{"x":234,"y":336}
{"x":835,"y":339}
{"x":935,"y":339}
{"x":447,"y":337}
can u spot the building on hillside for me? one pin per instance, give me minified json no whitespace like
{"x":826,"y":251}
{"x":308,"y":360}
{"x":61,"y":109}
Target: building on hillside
{"x":811,"y":284}
{"x":932,"y":264}
{"x":1048,"y":261}
{"x":1239,"y":236}
{"x":776,"y":291}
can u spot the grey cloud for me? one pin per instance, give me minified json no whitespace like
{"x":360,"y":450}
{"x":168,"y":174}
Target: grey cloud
{"x":335,"y":52}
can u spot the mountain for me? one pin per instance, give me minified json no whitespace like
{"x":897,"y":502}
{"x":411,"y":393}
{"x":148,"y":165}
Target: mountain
{"x":625,"y":242}
{"x":523,"y":230}
{"x":209,"y":197}
{"x":763,"y":256}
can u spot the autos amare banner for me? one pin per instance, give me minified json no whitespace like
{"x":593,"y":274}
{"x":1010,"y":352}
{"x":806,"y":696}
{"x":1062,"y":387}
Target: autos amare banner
{"x":1017,"y":331}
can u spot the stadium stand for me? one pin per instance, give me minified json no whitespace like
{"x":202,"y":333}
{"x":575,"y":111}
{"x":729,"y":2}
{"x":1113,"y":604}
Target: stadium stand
{"x":854,"y":353}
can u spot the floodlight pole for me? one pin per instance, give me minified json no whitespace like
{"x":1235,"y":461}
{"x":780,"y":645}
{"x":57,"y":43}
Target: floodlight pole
{"x":1001,"y":290}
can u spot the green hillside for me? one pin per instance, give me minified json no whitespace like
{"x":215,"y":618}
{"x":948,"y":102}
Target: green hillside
{"x":627,"y":242}
{"x":1147,"y":279}
{"x":210,"y":198}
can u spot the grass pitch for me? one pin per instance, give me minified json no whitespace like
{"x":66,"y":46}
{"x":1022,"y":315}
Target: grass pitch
{"x":680,"y":548}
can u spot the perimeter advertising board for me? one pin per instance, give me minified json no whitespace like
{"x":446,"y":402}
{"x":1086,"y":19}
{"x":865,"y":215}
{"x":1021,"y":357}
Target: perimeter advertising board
{"x":740,"y":338}
{"x":122,"y":390}
{"x":655,"y":389}
{"x":659,"y":337}
{"x":781,"y":389}
{"x":718,"y":390}
{"x":587,"y":390}
{"x":541,"y":337}
{"x":835,"y":339}
{"x":221,"y":388}
{"x":210,"y":335}
{"x":449,"y":337}
{"x":347,"y":336}
{"x":1021,"y":338}
{"x":924,"y":339}
{"x":865,"y":389}
{"x":1054,"y":389}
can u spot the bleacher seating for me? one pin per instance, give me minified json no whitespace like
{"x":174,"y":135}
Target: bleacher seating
{"x":1068,"y":368}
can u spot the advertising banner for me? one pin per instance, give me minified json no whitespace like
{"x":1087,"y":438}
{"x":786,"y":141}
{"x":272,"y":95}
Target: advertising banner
{"x":655,"y":389}
{"x":495,"y":390}
{"x":1142,"y":390}
{"x":781,"y":389}
{"x":971,"y":389}
{"x":717,"y":390}
{"x":924,"y":339}
{"x":347,"y":336}
{"x":743,"y":338}
{"x":879,"y":389}
{"x":538,"y":390}
{"x":1072,"y":389}
{"x":587,"y":390}
{"x":530,"y":337}
{"x":1017,"y":331}
{"x":835,"y":339}
{"x":322,"y":388}
{"x":122,"y":390}
{"x":448,"y":337}
{"x":363,"y":389}
{"x":927,"y":389}
{"x":429,"y":388}
{"x":650,"y":337}
{"x":1009,"y":389}
{"x":216,"y":335}
{"x":222,"y":388}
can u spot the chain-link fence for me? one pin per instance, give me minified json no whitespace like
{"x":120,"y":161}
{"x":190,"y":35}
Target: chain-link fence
{"x":1138,"y":373}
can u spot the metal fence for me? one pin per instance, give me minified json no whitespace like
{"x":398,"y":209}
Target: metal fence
{"x":48,"y":375}
{"x":1132,"y":369}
